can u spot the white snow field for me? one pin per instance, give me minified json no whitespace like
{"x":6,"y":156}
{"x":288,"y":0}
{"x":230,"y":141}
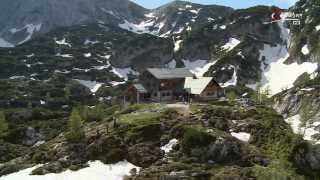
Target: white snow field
{"x":308,"y":131}
{"x":96,"y":171}
{"x":198,"y":67}
{"x":242,"y":136}
{"x":143,"y":26}
{"x":278,"y":75}
{"x":168,"y":147}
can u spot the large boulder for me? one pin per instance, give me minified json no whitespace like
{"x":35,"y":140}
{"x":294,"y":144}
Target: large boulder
{"x":221,"y":151}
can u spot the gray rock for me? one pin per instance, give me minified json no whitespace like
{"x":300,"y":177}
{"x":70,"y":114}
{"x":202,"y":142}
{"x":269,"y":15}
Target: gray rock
{"x":31,"y":136}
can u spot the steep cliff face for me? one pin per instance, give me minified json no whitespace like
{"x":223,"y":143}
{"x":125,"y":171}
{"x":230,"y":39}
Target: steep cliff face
{"x":301,"y":107}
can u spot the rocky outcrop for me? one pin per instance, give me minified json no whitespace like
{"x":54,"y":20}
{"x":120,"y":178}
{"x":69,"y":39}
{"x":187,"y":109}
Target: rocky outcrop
{"x":290,"y":102}
{"x":144,"y":154}
{"x":107,"y":149}
{"x":307,"y":158}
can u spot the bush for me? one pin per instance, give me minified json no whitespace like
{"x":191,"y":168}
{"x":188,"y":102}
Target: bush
{"x":195,"y":138}
{"x":277,"y":170}
{"x":76,"y":132}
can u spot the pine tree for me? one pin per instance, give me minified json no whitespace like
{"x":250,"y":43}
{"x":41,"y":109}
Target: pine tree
{"x":3,"y":125}
{"x":76,"y":132}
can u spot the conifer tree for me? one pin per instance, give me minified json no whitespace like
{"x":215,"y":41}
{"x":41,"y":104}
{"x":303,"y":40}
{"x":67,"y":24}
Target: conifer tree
{"x":75,"y":132}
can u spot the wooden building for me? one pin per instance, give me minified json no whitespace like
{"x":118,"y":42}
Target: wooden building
{"x":179,"y":84}
{"x":203,"y":88}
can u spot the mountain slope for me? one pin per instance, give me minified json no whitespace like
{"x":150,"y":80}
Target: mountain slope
{"x":21,"y":20}
{"x":87,"y":50}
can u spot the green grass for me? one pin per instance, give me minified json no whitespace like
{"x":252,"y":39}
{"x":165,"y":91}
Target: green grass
{"x":142,"y":118}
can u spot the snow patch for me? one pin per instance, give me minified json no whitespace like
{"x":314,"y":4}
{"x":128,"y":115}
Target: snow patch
{"x":168,"y":147}
{"x":92,"y":85}
{"x":307,"y":132}
{"x":242,"y":136}
{"x":198,"y":67}
{"x":318,"y":28}
{"x":210,"y":19}
{"x":87,"y":55}
{"x":305,"y":50}
{"x":150,"y":15}
{"x":64,"y":55}
{"x":177,"y":45}
{"x":241,"y":55}
{"x":232,"y":43}
{"x":307,"y":89}
{"x":96,"y":170}
{"x":17,"y":77}
{"x":143,"y":27}
{"x":195,"y":11}
{"x":124,"y":72}
{"x":179,"y":30}
{"x":115,"y":83}
{"x":88,"y":41}
{"x":62,"y":42}
{"x":4,"y":43}
{"x":223,"y":27}
{"x":31,"y":28}
{"x":30,"y":55}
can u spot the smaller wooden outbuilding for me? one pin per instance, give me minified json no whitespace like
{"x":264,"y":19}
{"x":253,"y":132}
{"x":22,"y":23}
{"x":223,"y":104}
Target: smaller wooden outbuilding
{"x":137,"y":93}
{"x":203,"y":88}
